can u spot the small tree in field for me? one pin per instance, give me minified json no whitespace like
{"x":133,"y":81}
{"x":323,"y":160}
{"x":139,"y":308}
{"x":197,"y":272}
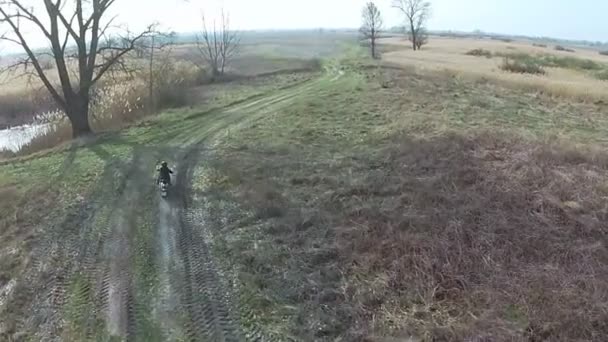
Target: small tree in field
{"x":416,"y":14}
{"x":372,"y":26}
{"x":422,"y":39}
{"x":218,"y":46}
{"x":83,"y":45}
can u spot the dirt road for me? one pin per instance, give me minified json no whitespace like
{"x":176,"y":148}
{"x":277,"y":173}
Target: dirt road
{"x":128,"y":265}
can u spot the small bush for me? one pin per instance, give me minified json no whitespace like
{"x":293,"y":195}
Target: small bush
{"x":315,"y":64}
{"x":570,"y":63}
{"x":552,"y":61}
{"x":47,"y":64}
{"x":602,"y":75}
{"x":604,"y":53}
{"x":540,"y":45}
{"x":20,"y":107}
{"x":561,"y":48}
{"x":172,"y":80}
{"x":479,"y":53}
{"x":6,"y":153}
{"x":521,"y":67}
{"x":503,"y":39}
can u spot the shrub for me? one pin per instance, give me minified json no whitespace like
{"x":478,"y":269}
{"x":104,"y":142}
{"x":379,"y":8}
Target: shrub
{"x":602,"y":75}
{"x":314,"y":64}
{"x":503,"y":39}
{"x":604,"y":53}
{"x":118,"y":102}
{"x":171,"y":81}
{"x":479,"y":53}
{"x":561,"y":48}
{"x":521,"y":67}
{"x":553,"y":61}
{"x":20,"y":107}
{"x":540,"y":45}
{"x":570,"y":63}
{"x":6,"y":153}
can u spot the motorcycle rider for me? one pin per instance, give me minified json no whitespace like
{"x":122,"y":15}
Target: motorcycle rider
{"x":164,"y":173}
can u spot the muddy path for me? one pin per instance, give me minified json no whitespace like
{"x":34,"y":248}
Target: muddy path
{"x":205,"y":295}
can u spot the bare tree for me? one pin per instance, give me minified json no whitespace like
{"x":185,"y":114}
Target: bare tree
{"x":217,"y":46}
{"x":83,"y":45}
{"x":416,"y":13}
{"x":372,"y":25}
{"x":157,"y":43}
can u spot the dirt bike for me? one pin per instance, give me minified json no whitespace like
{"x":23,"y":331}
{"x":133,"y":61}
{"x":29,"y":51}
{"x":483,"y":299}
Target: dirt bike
{"x":164,"y":188}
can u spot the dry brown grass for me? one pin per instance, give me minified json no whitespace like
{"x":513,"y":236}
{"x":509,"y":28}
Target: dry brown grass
{"x":472,"y":238}
{"x":17,"y":108}
{"x":450,"y":54}
{"x":453,"y":238}
{"x":118,"y":104}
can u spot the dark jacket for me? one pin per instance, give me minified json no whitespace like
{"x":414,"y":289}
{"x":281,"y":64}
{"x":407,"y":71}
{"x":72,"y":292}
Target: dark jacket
{"x":164,"y":174}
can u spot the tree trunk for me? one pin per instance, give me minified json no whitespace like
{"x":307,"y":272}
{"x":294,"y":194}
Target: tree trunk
{"x":373,"y":47}
{"x":78,"y":113}
{"x":215,"y":73}
{"x":414,"y":34}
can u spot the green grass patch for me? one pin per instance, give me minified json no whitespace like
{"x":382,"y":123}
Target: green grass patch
{"x":81,"y":320}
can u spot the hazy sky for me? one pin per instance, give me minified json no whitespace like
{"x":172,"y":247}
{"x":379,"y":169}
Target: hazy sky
{"x":580,"y":19}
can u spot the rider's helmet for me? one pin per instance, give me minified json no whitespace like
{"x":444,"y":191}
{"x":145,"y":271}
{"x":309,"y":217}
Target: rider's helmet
{"x":164,"y":164}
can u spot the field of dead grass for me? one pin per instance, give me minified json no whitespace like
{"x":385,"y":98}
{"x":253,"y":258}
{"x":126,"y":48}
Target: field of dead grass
{"x":449,"y":54}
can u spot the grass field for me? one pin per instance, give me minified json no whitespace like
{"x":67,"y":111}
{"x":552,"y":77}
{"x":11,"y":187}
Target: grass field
{"x":450,"y":54}
{"x":366,"y":202}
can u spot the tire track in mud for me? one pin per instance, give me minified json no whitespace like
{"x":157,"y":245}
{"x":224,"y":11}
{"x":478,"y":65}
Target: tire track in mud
{"x":201,"y":292}
{"x":71,"y":250}
{"x":107,"y":265}
{"x":93,"y":292}
{"x":213,"y":312}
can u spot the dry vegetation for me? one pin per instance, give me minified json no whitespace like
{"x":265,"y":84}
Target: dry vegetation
{"x":521,"y":67}
{"x":122,"y":99}
{"x":576,"y":75}
{"x":480,"y":53}
{"x":561,"y":48}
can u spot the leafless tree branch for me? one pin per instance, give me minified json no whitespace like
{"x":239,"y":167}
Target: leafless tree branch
{"x":416,"y":14}
{"x":218,"y":46}
{"x":84,"y":24}
{"x":372,"y":26}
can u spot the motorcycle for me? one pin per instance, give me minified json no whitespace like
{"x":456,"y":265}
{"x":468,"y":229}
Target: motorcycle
{"x":163,"y":184}
{"x":164,"y":188}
